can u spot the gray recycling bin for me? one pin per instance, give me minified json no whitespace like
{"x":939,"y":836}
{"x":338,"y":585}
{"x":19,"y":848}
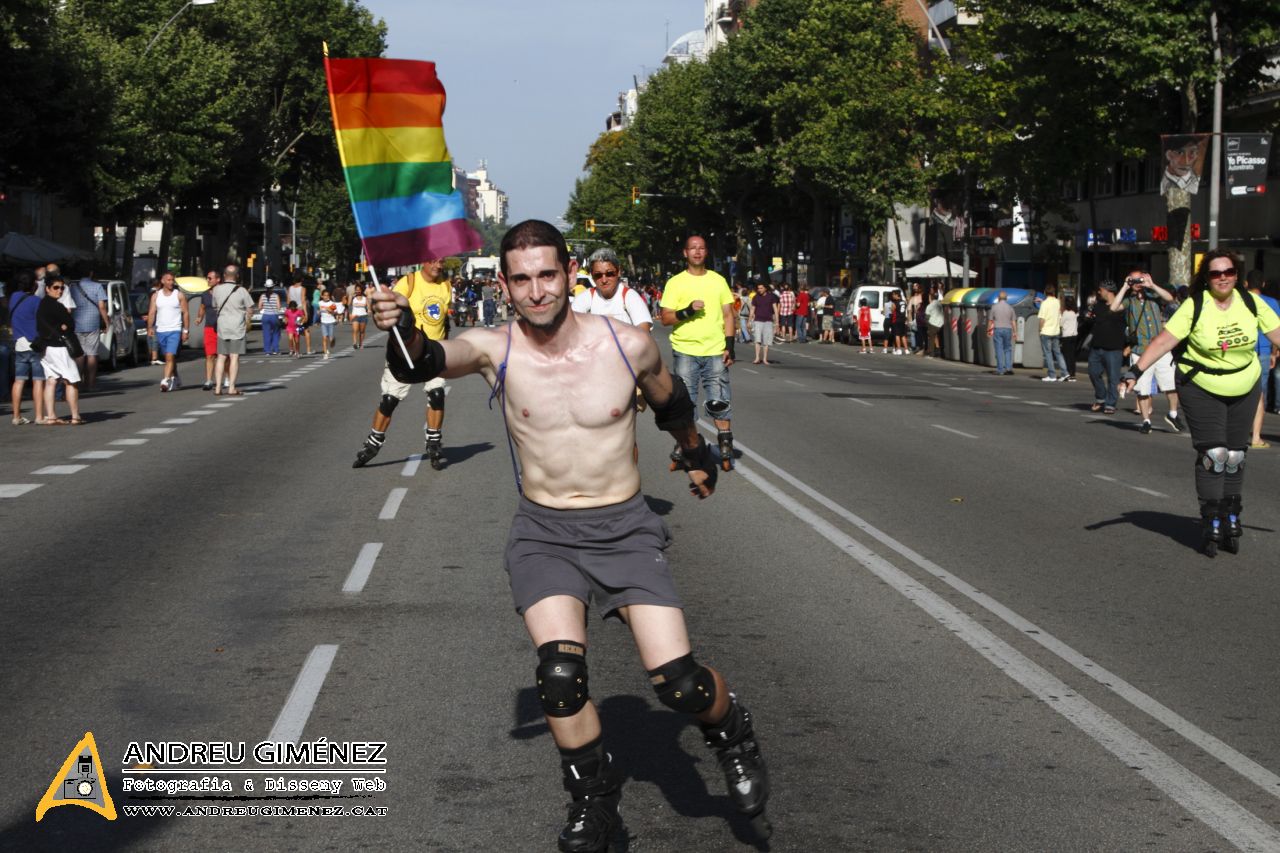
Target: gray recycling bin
{"x":951,"y":324}
{"x":969,"y":330}
{"x":1026,"y":348}
{"x":984,"y":344}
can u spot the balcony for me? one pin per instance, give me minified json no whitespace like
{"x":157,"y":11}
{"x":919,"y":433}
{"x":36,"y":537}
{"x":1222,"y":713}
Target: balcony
{"x":944,"y":13}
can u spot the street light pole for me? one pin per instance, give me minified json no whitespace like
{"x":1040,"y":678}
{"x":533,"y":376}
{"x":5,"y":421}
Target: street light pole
{"x":166,"y":24}
{"x":1215,"y":166}
{"x":293,"y":234}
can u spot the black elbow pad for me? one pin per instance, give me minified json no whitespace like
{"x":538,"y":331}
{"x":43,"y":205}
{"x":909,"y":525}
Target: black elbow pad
{"x":676,"y":412}
{"x":428,"y":366}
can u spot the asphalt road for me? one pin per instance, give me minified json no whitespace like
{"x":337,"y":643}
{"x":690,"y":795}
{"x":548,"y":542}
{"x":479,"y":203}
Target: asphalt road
{"x":966,"y":613}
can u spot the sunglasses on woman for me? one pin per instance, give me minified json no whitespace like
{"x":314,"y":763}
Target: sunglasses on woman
{"x":1214,"y":275}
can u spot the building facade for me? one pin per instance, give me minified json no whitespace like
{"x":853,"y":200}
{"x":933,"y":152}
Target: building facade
{"x":491,"y":202}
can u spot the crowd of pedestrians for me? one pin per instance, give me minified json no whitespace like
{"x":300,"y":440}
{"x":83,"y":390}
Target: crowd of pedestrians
{"x":51,"y":328}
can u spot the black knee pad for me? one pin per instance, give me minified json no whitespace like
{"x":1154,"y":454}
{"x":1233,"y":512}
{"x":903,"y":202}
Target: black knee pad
{"x":435,"y":399}
{"x":562,"y":677}
{"x":717,"y":408}
{"x":387,"y":405}
{"x":684,"y":685}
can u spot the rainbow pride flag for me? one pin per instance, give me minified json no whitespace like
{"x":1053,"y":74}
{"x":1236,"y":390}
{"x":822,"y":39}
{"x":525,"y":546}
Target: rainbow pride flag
{"x":387,"y":115}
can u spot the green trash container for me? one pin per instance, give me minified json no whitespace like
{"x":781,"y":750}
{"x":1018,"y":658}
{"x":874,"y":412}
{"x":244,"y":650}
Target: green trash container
{"x":969,"y":329}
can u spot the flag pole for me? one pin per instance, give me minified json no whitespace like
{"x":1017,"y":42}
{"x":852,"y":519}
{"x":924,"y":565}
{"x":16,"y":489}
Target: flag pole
{"x":395,"y":330}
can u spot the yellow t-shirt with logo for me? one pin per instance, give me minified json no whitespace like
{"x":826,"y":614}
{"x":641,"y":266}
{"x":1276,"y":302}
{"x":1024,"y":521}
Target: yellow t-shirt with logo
{"x":703,"y":333}
{"x":429,"y":301}
{"x":1224,"y":340}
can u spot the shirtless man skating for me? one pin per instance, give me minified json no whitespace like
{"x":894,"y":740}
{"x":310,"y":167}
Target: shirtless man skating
{"x":566,"y":381}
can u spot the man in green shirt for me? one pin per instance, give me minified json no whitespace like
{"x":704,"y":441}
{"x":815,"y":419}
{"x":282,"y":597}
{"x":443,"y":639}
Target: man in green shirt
{"x":699,"y":305}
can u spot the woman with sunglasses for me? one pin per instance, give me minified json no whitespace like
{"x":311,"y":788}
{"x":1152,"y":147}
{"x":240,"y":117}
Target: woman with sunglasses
{"x":1213,"y":335}
{"x":53,"y":321}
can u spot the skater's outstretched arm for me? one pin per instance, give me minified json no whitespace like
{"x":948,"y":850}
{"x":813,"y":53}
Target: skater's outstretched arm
{"x":673,"y":411}
{"x":456,"y":357}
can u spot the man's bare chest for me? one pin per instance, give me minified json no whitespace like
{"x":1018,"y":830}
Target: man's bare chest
{"x":588,"y":392}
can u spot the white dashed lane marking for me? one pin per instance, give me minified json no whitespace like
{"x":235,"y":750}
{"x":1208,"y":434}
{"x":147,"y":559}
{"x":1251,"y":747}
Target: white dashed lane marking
{"x":363,"y":566}
{"x":1151,"y":492}
{"x":302,"y":698}
{"x":17,"y":490}
{"x":859,"y":402}
{"x":955,"y":431}
{"x":156,"y":431}
{"x":129,"y":442}
{"x":98,"y":454}
{"x":411,"y":465}
{"x":59,"y":469}
{"x":179,"y":421}
{"x":198,"y":413}
{"x":392,"y":506}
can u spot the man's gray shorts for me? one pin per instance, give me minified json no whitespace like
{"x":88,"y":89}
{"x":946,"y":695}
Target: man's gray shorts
{"x":231,"y":346}
{"x":89,"y":342}
{"x":613,"y":554}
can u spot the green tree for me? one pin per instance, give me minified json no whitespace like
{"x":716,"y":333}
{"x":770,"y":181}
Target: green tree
{"x":1077,"y":85}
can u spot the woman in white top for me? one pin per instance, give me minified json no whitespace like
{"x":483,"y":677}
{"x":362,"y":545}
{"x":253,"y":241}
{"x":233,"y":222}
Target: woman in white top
{"x":328,"y":320}
{"x":359,"y":316}
{"x":1070,"y":335}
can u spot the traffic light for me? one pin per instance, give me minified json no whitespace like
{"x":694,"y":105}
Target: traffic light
{"x":253,"y":256}
{"x":591,"y":226}
{"x":635,"y":195}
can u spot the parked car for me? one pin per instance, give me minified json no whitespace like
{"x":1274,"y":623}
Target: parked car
{"x":876,"y":295}
{"x":815,"y":321}
{"x":140,"y":302}
{"x":256,"y":293}
{"x":118,"y":341}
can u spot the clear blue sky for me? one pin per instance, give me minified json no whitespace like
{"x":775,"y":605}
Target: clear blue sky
{"x":530,"y":82}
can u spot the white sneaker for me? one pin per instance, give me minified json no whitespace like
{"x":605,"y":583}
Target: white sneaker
{"x":326,"y":356}
{"x":175,"y":384}
{"x":164,"y":384}
{"x":1049,"y":379}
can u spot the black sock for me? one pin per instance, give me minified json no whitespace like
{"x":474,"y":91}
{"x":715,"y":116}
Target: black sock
{"x":585,"y":759}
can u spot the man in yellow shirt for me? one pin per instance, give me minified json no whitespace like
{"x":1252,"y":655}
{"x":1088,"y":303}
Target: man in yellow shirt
{"x":699,"y":304}
{"x":429,"y":294}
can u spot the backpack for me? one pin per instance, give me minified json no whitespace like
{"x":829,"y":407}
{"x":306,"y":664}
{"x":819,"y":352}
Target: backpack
{"x":625,"y":291}
{"x":1180,"y":351}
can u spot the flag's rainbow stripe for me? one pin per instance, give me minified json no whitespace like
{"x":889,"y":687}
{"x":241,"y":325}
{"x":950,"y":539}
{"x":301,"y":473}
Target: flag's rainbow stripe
{"x":387,"y":114}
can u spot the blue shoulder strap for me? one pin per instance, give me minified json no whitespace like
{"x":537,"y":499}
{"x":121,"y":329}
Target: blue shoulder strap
{"x":618,"y":344}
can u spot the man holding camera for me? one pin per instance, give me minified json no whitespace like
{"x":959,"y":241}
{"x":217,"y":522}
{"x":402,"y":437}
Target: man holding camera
{"x":1144,"y":318}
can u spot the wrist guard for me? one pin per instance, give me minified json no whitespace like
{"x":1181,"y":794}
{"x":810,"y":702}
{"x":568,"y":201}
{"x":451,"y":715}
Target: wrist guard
{"x":700,"y":459}
{"x":676,"y":413}
{"x":428,"y":366}
{"x":685,"y":313}
{"x":728,"y":347}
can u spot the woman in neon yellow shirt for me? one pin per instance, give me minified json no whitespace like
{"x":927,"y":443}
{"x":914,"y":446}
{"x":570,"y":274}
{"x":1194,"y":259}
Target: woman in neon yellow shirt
{"x":1216,"y":331}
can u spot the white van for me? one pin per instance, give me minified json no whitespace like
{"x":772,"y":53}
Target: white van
{"x":876,"y":295}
